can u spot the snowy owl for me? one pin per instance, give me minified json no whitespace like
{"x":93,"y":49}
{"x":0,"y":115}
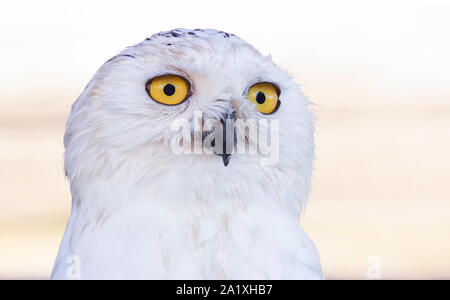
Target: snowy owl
{"x":143,"y":209}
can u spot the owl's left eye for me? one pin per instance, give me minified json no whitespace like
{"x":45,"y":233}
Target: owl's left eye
{"x":168,"y":89}
{"x":264,"y":96}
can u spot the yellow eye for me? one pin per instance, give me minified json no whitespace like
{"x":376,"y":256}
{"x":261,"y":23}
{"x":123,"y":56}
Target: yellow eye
{"x":168,"y":89}
{"x":265,"y":96}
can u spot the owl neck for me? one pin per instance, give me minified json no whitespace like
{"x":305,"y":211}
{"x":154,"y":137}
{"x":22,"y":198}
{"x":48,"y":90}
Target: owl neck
{"x":203,"y":193}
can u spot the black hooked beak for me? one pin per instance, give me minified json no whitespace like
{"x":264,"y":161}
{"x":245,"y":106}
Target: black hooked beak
{"x":229,"y":136}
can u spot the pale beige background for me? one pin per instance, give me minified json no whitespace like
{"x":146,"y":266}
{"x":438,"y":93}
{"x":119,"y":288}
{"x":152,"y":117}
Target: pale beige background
{"x":379,"y":73}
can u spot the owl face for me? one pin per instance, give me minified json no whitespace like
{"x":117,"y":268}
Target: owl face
{"x":124,"y":120}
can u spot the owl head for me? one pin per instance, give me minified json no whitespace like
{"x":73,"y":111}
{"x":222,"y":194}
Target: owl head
{"x":155,"y":118}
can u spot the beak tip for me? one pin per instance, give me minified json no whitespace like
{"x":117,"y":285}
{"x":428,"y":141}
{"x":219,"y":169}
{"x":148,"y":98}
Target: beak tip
{"x":226,"y":159}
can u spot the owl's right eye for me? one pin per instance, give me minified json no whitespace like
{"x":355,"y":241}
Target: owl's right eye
{"x":168,"y":89}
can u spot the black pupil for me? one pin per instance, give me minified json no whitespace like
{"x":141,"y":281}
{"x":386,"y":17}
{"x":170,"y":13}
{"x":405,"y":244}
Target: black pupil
{"x":260,"y":98}
{"x":169,"y":89}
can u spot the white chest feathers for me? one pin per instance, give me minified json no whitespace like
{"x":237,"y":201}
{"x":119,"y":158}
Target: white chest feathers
{"x":148,"y":240}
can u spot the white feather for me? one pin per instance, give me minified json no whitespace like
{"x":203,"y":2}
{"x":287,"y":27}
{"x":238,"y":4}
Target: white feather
{"x":141,"y":211}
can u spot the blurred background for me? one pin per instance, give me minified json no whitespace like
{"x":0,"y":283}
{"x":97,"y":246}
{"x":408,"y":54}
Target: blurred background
{"x":377,"y":71}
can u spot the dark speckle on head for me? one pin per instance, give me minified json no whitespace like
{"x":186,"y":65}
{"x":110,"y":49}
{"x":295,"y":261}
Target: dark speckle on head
{"x":120,"y":55}
{"x":226,"y":35}
{"x":167,"y":38}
